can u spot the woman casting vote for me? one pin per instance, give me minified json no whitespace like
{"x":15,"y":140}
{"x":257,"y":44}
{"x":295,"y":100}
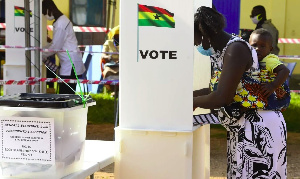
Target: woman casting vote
{"x":256,"y":141}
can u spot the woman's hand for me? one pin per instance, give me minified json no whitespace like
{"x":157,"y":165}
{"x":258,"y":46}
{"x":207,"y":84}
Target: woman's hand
{"x":201,"y":92}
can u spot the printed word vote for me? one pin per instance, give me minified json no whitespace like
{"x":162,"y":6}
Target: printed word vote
{"x":153,"y":54}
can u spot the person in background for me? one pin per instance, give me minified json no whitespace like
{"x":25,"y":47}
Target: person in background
{"x":261,"y":41}
{"x":49,"y":74}
{"x":111,"y":67}
{"x":256,"y":139}
{"x":259,"y":17}
{"x":63,"y":39}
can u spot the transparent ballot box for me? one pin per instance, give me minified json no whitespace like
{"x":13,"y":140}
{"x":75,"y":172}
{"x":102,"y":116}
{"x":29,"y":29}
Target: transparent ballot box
{"x":43,"y":135}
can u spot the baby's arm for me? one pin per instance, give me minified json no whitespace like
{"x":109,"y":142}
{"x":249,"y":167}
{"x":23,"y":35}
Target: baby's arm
{"x":282,"y":74}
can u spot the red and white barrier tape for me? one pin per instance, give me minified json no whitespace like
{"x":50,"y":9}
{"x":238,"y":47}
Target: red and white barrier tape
{"x":51,"y":50}
{"x":36,"y":81}
{"x":76,"y":28}
{"x":295,"y":57}
{"x":89,"y":29}
{"x":2,"y":26}
{"x":15,"y":82}
{"x":103,"y":29}
{"x":288,"y":41}
{"x":292,"y":57}
{"x":83,"y":29}
{"x":295,"y":91}
{"x":106,"y":82}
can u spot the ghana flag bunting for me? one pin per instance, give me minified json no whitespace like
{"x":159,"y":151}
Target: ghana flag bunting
{"x":155,"y":16}
{"x":19,"y":11}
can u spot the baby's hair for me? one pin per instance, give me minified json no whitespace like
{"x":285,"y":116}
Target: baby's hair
{"x":265,"y":33}
{"x":208,"y":21}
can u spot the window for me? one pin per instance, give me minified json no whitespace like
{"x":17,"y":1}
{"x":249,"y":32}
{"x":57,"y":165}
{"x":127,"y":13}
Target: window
{"x":88,"y":12}
{"x":2,"y":11}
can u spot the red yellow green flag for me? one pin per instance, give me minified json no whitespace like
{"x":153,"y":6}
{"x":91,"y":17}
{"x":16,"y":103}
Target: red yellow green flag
{"x":19,"y":11}
{"x":155,"y":16}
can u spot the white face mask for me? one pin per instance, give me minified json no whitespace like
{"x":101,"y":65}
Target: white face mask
{"x":256,"y":19}
{"x":50,"y":18}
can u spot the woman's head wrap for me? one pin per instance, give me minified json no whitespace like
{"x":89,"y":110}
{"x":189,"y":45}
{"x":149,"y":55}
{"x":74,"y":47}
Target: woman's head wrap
{"x":114,"y":31}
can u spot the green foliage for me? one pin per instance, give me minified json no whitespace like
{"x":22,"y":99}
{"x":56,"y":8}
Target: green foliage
{"x":292,"y":114}
{"x":218,"y":132}
{"x":103,"y":111}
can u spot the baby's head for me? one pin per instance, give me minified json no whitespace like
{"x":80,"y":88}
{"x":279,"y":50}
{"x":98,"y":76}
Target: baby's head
{"x":261,"y":40}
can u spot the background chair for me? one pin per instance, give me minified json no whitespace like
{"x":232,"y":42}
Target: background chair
{"x":291,"y":67}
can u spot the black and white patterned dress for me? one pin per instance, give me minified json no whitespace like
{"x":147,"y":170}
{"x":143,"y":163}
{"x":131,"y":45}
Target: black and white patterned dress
{"x":256,"y":142}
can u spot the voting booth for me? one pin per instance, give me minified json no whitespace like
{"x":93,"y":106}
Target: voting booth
{"x":43,"y":136}
{"x":159,"y":68}
{"x":15,"y":60}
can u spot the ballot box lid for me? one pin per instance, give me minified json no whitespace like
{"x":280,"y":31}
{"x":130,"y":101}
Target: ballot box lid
{"x":40,"y":100}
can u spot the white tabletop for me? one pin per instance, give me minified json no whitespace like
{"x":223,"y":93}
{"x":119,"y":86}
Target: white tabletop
{"x":98,"y":154}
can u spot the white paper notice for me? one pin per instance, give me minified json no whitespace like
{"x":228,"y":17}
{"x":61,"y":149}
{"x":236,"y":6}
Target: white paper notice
{"x":27,"y":140}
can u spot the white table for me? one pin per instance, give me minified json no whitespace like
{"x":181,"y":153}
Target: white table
{"x":98,"y":154}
